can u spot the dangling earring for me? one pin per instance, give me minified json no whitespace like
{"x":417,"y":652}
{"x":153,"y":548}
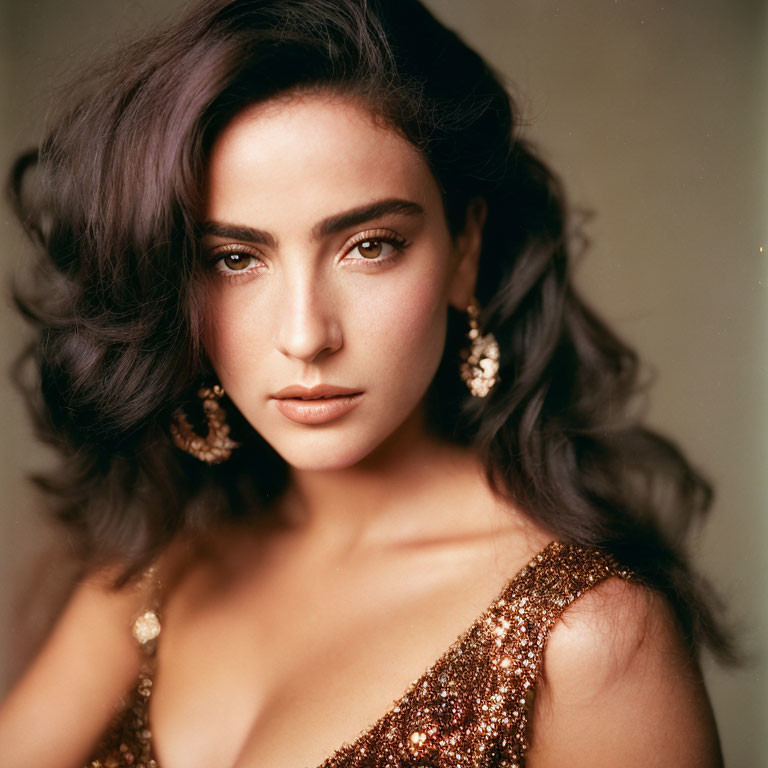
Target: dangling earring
{"x":480,"y":368}
{"x":216,"y":446}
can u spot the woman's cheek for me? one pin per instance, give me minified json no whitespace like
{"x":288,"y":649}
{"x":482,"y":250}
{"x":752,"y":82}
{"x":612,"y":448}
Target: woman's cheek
{"x":231,"y":337}
{"x":407,"y":320}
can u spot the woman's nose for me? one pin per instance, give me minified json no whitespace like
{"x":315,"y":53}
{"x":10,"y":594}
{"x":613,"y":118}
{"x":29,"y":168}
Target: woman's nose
{"x":308,"y":324}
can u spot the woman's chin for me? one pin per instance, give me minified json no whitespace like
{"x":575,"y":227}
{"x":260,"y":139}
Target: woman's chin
{"x":343,"y":445}
{"x":324,"y":463}
{"x":325,"y":458}
{"x":337,"y":455}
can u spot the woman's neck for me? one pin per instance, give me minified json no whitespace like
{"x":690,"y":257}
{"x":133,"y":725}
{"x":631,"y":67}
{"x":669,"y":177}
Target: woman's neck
{"x":414,"y":487}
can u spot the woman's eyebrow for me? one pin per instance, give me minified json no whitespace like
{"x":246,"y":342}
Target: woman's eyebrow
{"x":327,"y":226}
{"x":365,"y":213}
{"x":238,"y":232}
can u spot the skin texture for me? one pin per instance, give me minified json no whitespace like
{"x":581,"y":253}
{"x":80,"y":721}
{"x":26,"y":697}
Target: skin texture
{"x":277,"y":649}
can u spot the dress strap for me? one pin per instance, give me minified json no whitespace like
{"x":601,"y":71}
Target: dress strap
{"x":541,"y":593}
{"x":127,"y":742}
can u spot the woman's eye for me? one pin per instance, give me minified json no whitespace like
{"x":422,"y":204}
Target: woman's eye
{"x":236,"y":262}
{"x":371,"y":249}
{"x":376,"y":249}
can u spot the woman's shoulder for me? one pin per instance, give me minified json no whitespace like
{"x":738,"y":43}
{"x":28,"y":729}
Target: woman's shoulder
{"x":606,"y":630}
{"x":618,"y":684}
{"x":89,"y":658}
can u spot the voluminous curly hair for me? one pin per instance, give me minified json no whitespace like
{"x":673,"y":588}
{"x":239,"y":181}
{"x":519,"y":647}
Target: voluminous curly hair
{"x":111,"y":200}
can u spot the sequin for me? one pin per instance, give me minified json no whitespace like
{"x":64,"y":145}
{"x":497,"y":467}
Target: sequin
{"x":470,"y":709}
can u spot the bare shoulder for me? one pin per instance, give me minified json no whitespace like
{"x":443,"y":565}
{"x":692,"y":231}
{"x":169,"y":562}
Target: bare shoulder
{"x":619,"y":687}
{"x":73,"y":682}
{"x":79,"y":678}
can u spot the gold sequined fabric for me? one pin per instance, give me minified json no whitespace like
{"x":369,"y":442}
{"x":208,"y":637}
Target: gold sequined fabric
{"x":469,"y":709}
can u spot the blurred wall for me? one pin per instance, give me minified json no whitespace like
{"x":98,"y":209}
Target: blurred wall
{"x":656,"y":115}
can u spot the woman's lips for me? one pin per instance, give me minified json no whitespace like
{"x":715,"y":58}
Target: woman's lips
{"x":319,"y":411}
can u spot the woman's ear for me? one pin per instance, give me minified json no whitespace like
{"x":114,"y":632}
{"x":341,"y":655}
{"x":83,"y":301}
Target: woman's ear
{"x":466,"y":254}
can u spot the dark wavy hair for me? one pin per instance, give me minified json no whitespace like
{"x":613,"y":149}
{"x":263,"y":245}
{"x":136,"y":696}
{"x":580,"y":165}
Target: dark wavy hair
{"x":111,"y":200}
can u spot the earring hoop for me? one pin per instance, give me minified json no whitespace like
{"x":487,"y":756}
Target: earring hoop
{"x":216,"y":447}
{"x":480,"y":367}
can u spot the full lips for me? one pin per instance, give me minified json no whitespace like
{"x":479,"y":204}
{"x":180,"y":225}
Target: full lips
{"x":319,"y":411}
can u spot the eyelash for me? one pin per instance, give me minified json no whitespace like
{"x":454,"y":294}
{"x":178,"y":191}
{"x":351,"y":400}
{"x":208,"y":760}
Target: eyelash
{"x":232,"y":250}
{"x":398,"y":243}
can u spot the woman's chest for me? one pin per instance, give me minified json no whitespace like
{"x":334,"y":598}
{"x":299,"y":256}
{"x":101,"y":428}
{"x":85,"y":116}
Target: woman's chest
{"x":288,"y":680}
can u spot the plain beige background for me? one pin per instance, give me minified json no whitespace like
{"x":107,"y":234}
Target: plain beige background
{"x":656,"y":115}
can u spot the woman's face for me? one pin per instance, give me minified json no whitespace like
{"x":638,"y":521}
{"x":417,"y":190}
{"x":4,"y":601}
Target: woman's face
{"x":329,"y":265}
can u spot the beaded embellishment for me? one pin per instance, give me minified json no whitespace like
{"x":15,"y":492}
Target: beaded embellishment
{"x":128,"y":741}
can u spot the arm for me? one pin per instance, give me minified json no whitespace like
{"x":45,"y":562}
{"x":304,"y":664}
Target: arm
{"x":619,"y":688}
{"x":58,"y":710}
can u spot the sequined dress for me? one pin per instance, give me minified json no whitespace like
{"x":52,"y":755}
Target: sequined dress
{"x":469,"y":709}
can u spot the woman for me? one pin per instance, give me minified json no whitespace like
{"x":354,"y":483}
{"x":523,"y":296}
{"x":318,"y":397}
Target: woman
{"x":337,"y":432}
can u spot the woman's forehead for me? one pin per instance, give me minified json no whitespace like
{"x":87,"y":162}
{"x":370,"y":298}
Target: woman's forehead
{"x":321,"y":147}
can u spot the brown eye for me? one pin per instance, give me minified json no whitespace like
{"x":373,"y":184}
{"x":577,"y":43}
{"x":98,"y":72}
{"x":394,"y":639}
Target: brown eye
{"x":232,"y":263}
{"x":370,"y":249}
{"x":237,"y":261}
{"x":378,"y":248}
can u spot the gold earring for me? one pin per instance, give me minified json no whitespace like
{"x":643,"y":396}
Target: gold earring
{"x":216,"y":446}
{"x":480,"y":368}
